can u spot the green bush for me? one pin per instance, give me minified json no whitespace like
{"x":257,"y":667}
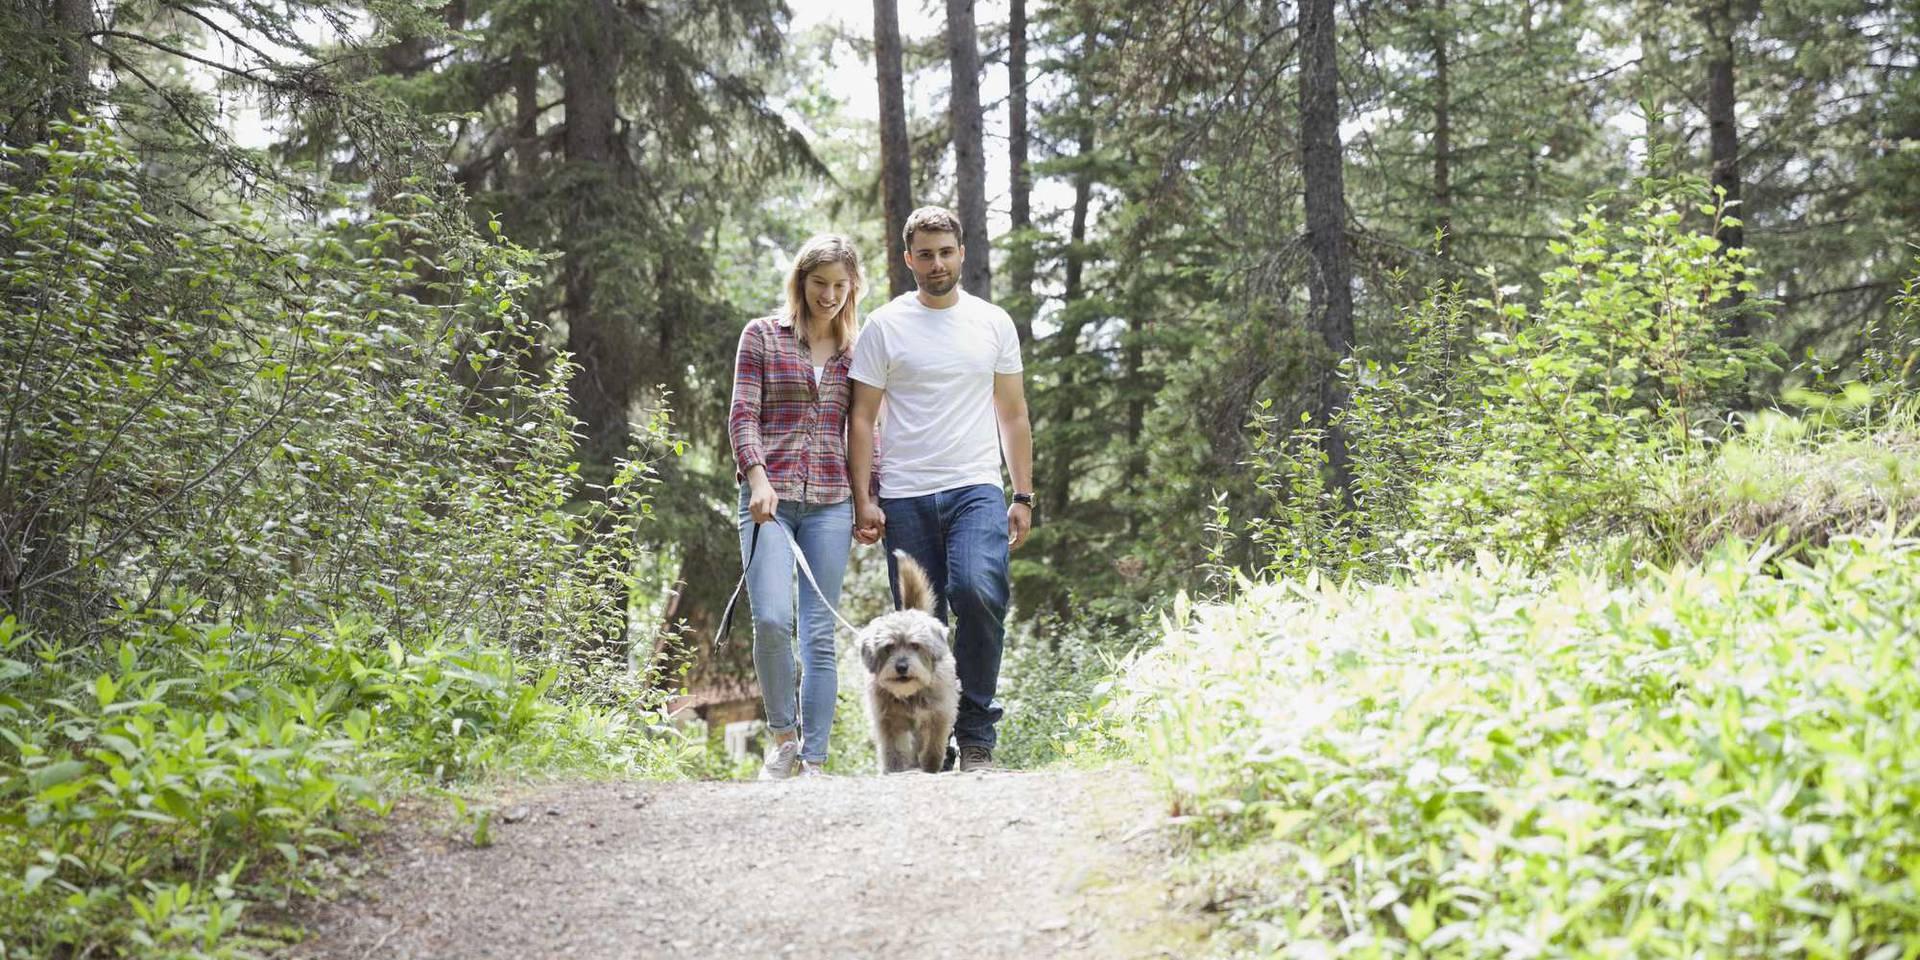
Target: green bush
{"x":1721,"y":759}
{"x":1525,"y":428}
{"x":1891,"y":353}
{"x":1052,"y":681}
{"x":290,"y":522}
{"x":141,"y":796}
{"x":286,"y":421}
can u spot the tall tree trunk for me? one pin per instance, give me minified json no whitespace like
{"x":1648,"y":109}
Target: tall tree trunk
{"x":1442,"y":131}
{"x":969,"y":154}
{"x":896,"y":161}
{"x":1137,"y":398}
{"x":1020,"y":299}
{"x":1330,"y":277}
{"x":598,"y":338}
{"x":1066,"y":341}
{"x":1723,"y":135}
{"x":526,"y":121}
{"x":73,"y":86}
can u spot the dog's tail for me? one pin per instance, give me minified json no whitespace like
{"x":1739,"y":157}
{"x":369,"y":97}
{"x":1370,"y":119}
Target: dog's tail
{"x":916,"y":591}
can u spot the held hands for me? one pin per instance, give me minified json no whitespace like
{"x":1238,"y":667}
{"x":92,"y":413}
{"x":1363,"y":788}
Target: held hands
{"x":1019,"y":521}
{"x":869,"y":522}
{"x":762,"y":503}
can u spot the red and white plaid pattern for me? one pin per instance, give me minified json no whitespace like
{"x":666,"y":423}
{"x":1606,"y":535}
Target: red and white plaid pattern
{"x":786,"y":423}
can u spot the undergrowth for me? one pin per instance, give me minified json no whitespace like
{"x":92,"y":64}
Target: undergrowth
{"x":290,"y":525}
{"x":148,"y":799}
{"x":1718,"y":759}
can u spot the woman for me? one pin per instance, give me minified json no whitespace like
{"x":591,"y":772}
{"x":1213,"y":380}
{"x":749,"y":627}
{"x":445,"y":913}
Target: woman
{"x":789,"y":431}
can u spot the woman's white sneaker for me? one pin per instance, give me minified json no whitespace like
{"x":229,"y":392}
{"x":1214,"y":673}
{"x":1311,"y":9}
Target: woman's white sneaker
{"x":782,"y":760}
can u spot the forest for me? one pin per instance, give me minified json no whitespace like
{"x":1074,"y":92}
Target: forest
{"x":1520,"y":393}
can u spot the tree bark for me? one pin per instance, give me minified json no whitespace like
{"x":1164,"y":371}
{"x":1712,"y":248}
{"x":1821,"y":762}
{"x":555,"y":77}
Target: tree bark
{"x":73,"y":86}
{"x":1020,"y":181}
{"x":1442,"y":132}
{"x":600,"y":344}
{"x":1137,"y":397}
{"x":1066,"y":341}
{"x":969,"y":155}
{"x":526,"y":121}
{"x":1330,"y":275}
{"x":896,"y":160}
{"x":1723,"y":135}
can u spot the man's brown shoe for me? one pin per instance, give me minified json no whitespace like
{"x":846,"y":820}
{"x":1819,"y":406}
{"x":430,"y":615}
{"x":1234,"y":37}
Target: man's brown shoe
{"x":975,"y":758}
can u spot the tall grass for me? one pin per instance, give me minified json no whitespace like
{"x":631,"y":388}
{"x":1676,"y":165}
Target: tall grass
{"x":1717,"y":760}
{"x":1847,"y":463}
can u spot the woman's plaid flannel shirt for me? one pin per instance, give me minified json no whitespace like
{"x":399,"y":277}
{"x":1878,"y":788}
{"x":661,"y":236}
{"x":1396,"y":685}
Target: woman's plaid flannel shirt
{"x":783,"y":421}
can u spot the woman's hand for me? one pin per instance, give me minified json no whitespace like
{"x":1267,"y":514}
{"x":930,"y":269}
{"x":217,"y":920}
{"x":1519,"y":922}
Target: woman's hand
{"x":762,"y":502}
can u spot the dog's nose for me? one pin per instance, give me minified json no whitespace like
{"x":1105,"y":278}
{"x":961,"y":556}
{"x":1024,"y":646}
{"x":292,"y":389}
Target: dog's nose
{"x":900,"y":667}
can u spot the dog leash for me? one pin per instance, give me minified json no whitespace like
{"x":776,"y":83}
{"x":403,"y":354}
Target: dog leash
{"x":800,"y":559}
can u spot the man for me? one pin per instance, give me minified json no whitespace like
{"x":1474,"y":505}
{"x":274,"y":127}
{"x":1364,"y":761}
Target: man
{"x":947,"y":365}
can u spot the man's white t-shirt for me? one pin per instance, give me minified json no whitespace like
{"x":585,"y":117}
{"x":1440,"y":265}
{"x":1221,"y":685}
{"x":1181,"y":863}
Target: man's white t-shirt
{"x":937,"y":367}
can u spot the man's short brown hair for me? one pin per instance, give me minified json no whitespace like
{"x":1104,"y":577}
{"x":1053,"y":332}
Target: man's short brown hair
{"x":932,"y":220}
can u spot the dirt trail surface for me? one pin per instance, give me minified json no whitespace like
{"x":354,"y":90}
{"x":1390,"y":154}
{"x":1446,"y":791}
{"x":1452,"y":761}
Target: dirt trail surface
{"x":1001,"y":864}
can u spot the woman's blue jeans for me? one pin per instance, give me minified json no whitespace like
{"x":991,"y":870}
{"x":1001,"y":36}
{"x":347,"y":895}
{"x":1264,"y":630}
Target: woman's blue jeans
{"x":782,"y":599}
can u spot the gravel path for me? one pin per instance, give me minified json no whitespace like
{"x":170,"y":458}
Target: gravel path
{"x":1002,"y":864}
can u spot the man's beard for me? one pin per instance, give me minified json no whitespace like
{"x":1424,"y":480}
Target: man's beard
{"x":939,"y":289}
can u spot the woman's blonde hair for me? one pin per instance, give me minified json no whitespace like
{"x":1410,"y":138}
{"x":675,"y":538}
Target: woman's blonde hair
{"x":817,"y":252}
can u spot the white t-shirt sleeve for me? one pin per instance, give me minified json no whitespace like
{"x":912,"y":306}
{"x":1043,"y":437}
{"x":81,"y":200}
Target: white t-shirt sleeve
{"x":870,"y":358}
{"x":1008,"y":360}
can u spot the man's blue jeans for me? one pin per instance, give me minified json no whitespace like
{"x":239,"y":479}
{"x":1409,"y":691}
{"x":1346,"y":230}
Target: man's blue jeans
{"x":960,"y":537}
{"x":775,"y":591}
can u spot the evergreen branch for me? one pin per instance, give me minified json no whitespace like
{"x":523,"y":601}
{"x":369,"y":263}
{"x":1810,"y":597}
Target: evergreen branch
{"x":168,"y":96}
{"x":234,"y":38}
{"x":248,"y":75}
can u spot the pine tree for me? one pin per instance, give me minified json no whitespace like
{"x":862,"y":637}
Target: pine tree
{"x":896,"y":160}
{"x":969,"y":152}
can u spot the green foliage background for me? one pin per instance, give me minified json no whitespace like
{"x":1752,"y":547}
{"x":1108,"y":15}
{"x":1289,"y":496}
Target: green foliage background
{"x":388,"y":455}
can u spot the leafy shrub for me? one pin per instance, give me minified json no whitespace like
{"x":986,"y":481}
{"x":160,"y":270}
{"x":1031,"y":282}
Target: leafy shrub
{"x":286,"y":423}
{"x":289,"y":520}
{"x":1526,"y":428}
{"x":138,"y":797}
{"x":1891,"y":354}
{"x":1053,"y":677}
{"x":1714,"y":760}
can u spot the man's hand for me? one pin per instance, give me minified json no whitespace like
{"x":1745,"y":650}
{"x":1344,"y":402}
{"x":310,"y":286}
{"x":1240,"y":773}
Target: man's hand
{"x":1019,"y":521}
{"x":762,"y":502}
{"x":869,"y":522}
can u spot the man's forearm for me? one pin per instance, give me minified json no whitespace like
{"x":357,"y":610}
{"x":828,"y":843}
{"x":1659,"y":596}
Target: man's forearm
{"x":1018,"y":437}
{"x":861,"y":414}
{"x":859,"y":460}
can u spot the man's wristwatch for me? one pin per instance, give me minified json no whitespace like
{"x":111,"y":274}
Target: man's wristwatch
{"x":1026,"y":498}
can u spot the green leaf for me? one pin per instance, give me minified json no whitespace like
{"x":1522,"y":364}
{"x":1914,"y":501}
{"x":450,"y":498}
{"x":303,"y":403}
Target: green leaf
{"x":55,"y":774}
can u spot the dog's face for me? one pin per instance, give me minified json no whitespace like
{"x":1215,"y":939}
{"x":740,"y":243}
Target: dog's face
{"x":902,"y":650}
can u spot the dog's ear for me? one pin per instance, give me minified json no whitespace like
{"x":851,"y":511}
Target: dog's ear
{"x":871,"y":645}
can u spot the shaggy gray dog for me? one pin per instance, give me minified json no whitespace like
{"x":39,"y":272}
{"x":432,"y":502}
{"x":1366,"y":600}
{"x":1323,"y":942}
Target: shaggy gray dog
{"x":912,"y":693}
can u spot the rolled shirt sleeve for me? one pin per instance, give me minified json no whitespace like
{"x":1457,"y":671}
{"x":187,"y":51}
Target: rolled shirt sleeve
{"x":743,"y":420}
